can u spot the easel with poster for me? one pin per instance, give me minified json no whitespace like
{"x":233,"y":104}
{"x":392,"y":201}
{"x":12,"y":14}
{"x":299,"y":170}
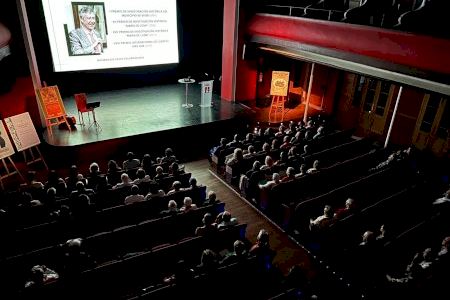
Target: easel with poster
{"x":52,"y":107}
{"x":25,"y":137}
{"x":6,"y":150}
{"x":278,"y":91}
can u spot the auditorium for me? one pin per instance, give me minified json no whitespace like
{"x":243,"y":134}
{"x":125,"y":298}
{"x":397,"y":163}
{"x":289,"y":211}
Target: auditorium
{"x":280,"y":149}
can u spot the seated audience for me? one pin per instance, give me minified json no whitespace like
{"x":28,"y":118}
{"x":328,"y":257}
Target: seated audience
{"x":226,"y":220}
{"x":209,"y":227}
{"x":222,"y":146}
{"x":268,"y":164}
{"x":182,"y":276}
{"x":169,"y":157}
{"x":265,"y":149}
{"x":271,"y":183}
{"x":80,"y":190}
{"x":195,"y":191}
{"x":172,"y":209}
{"x":208,"y":262}
{"x":40,"y":275}
{"x":286,"y":143}
{"x":124,"y":181}
{"x":323,"y":221}
{"x":134,"y":197}
{"x":303,"y":171}
{"x":290,"y":175}
{"x":73,"y":178}
{"x":160,"y":173}
{"x":176,"y":187}
{"x":188,"y":205}
{"x":160,"y":193}
{"x":174,"y":170}
{"x":283,"y":159}
{"x":261,"y":249}
{"x":141,"y":176}
{"x":236,"y":158}
{"x":235,"y":143}
{"x":52,"y":179}
{"x":76,"y":259}
{"x":113,"y":173}
{"x":315,"y":168}
{"x":237,"y":256}
{"x":147,"y":163}
{"x":343,"y":212}
{"x":251,"y":152}
{"x":211,"y":199}
{"x":94,"y":176}
{"x":131,"y":162}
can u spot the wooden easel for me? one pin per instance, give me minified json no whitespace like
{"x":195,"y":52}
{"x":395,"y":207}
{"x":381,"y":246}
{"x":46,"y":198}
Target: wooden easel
{"x":55,"y":122}
{"x":276,"y":113}
{"x":34,"y":158}
{"x":8,"y":172}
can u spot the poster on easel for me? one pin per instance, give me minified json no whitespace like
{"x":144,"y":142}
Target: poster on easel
{"x":6,"y":148}
{"x":22,"y":131}
{"x":51,"y":102}
{"x":280,"y":83}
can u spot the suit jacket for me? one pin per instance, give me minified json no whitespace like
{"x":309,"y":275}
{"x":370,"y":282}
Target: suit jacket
{"x":80,"y":43}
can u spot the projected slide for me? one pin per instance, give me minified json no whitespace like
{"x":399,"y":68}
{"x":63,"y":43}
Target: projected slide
{"x":89,"y":35}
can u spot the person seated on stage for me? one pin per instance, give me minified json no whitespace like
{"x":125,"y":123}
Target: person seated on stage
{"x":147,"y":163}
{"x":235,"y":143}
{"x":141,"y":176}
{"x":169,"y":157}
{"x":131,"y":162}
{"x":315,"y":168}
{"x":226,"y":220}
{"x":188,"y":205}
{"x":290,"y":175}
{"x":323,"y":221}
{"x":172,"y":209}
{"x":174,"y":169}
{"x":160,"y":173}
{"x":124,"y":181}
{"x":176,"y":187}
{"x":251,"y":152}
{"x":209,"y":227}
{"x":211,"y":199}
{"x":345,"y":211}
{"x":135,"y":196}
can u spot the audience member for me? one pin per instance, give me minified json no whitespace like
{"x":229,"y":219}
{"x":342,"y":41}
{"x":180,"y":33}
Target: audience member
{"x":172,"y":209}
{"x":290,"y":175}
{"x":169,"y":157}
{"x":235,"y":143}
{"x":141,"y":177}
{"x":303,"y":171}
{"x":237,"y":256}
{"x":315,"y":168}
{"x":160,"y":173}
{"x":188,"y":205}
{"x":135,"y":196}
{"x":72,"y":179}
{"x":211,"y":199}
{"x":158,"y":194}
{"x":271,"y":183}
{"x":236,"y":158}
{"x":345,"y":211}
{"x":124,"y":181}
{"x":251,"y":152}
{"x":131,"y":162}
{"x":323,"y":221}
{"x":208,"y":228}
{"x":208,"y":262}
{"x":174,"y":169}
{"x":261,"y":249}
{"x":40,"y":275}
{"x":147,"y":163}
{"x":52,"y":179}
{"x":176,"y":187}
{"x":227,"y":220}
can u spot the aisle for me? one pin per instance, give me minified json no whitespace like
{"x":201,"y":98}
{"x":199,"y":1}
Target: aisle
{"x":288,"y":252}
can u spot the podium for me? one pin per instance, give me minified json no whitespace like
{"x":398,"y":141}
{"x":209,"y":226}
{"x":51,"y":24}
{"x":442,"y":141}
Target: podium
{"x":206,"y":97}
{"x":186,"y":82}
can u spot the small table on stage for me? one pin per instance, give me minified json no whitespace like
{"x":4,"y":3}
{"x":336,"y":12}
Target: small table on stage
{"x":186,"y":82}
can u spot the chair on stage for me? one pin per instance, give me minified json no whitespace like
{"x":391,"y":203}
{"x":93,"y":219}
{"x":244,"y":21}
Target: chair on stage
{"x":84,"y":107}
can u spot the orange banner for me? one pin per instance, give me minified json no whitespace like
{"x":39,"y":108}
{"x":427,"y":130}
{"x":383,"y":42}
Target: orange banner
{"x":51,"y":102}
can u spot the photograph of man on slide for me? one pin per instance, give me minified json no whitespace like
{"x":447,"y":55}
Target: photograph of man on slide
{"x":86,"y":39}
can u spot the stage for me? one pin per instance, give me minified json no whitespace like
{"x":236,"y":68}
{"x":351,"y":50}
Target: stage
{"x":139,"y":111}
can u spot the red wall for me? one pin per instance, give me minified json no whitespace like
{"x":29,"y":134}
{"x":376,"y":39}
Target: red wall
{"x":21,"y":99}
{"x":422,"y":52}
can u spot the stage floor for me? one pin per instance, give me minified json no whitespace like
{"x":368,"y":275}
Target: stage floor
{"x":137,"y":111}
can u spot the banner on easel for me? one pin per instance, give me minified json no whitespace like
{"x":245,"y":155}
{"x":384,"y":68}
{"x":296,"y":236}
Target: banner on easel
{"x":280,"y":83}
{"x":6,"y":148}
{"x":51,"y":102}
{"x":22,"y":131}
